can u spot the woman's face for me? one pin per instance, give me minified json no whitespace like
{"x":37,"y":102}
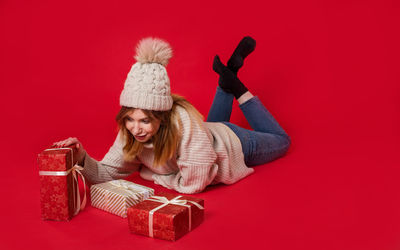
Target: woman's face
{"x":141,"y":126}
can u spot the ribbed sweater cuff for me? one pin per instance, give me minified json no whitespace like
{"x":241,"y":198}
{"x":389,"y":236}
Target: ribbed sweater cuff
{"x":89,"y":168}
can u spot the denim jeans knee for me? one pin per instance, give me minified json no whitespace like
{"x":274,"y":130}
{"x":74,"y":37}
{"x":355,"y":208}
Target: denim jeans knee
{"x":259,"y":147}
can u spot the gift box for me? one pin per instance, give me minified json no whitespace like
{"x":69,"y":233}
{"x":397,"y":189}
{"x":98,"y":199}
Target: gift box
{"x":166,"y":216}
{"x":59,"y":187}
{"x":118,"y":195}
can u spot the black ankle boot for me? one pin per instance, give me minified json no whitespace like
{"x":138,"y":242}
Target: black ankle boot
{"x":228,"y":80}
{"x":245,"y":47}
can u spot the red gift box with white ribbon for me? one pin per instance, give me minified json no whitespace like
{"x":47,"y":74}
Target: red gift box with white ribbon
{"x":59,"y":187}
{"x":166,"y":216}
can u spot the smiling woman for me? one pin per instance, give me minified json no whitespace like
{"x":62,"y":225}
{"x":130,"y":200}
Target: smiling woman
{"x":165,"y":138}
{"x":159,"y":129}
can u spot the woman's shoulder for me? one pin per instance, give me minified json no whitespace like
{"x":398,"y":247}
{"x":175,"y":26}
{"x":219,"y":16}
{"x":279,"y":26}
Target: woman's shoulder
{"x":186,"y":117}
{"x":185,"y":110}
{"x":180,"y":113}
{"x":180,"y":109}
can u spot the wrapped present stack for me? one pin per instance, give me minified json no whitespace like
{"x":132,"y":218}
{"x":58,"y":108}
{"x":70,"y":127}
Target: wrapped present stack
{"x":59,"y":187}
{"x":166,"y":216}
{"x":118,"y":195}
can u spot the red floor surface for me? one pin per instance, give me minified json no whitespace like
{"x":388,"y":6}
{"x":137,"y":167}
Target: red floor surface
{"x":327,"y":70}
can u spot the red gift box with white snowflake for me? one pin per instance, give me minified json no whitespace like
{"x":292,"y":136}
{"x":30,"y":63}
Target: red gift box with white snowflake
{"x":59,"y":187}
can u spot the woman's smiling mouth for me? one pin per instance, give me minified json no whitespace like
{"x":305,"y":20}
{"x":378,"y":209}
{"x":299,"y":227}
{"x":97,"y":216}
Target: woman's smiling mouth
{"x":139,"y":138}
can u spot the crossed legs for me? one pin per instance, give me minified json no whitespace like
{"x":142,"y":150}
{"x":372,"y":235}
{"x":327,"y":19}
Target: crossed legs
{"x":267,"y":141}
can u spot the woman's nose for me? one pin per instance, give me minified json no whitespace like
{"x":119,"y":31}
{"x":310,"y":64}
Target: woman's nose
{"x":136,"y":129}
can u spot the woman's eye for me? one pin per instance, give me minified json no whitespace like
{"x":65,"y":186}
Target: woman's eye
{"x":146,"y":121}
{"x":129,"y":119}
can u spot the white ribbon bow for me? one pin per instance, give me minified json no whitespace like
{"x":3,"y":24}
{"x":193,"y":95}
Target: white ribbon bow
{"x":132,"y":189}
{"x":166,"y":202}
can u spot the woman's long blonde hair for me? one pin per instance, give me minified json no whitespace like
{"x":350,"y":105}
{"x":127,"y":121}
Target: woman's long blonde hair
{"x":167,"y":138}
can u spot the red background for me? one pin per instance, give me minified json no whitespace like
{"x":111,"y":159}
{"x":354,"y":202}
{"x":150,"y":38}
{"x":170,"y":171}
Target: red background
{"x":327,"y":70}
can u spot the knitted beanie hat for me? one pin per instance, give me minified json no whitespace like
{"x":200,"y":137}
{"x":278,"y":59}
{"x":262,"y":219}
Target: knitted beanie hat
{"x":147,"y":84}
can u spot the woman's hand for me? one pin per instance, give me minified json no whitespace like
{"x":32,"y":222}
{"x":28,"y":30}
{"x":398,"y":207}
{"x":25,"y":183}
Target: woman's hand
{"x":71,"y":141}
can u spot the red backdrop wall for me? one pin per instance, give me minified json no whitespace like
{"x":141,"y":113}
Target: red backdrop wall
{"x":327,"y":70}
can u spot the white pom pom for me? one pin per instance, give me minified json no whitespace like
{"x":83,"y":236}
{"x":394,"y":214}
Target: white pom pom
{"x":153,"y":50}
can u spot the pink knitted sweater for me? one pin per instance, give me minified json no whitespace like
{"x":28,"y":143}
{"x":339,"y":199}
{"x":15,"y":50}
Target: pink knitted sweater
{"x":208,"y":153}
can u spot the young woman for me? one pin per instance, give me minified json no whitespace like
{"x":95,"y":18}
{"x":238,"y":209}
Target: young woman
{"x":164,"y":137}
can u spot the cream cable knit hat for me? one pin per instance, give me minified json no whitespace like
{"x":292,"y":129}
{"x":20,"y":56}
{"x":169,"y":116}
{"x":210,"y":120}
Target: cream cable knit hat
{"x":147,"y":84}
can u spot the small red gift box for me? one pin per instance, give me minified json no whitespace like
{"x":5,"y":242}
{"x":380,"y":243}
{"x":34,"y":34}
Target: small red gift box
{"x":59,"y":189}
{"x":166,"y":216}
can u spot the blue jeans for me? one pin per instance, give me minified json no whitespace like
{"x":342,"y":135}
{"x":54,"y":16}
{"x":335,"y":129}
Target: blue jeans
{"x":266,"y":143}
